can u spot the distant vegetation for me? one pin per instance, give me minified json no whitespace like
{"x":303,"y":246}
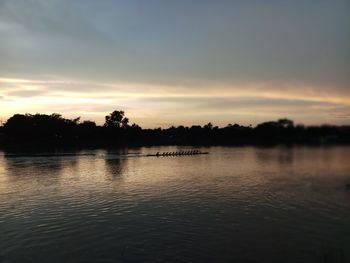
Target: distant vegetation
{"x":54,"y":130}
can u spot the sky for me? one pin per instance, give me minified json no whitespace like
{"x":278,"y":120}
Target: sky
{"x":177,"y":62}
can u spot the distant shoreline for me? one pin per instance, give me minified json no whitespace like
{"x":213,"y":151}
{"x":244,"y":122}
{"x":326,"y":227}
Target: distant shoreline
{"x":38,"y":146}
{"x":54,"y":131}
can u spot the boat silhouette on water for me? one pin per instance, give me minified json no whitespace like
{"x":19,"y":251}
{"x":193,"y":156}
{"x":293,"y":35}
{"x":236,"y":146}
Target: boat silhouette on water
{"x":178,"y":153}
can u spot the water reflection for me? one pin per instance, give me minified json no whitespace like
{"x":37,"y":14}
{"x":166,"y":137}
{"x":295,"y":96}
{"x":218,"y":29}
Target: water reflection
{"x":121,"y":206}
{"x":114,"y":167}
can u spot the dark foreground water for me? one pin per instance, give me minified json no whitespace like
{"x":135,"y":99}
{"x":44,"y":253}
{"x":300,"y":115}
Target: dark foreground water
{"x":233,"y":205}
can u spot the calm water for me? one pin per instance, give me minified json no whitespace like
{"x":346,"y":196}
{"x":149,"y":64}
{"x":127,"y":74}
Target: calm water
{"x":233,"y":205}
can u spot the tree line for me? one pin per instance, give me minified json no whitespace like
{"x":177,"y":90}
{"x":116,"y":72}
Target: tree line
{"x":43,"y":129}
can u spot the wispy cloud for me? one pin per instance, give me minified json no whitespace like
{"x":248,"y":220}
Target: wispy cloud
{"x":177,"y":62}
{"x":150,"y":105}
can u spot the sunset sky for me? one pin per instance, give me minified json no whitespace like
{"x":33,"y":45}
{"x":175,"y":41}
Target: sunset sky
{"x":177,"y":62}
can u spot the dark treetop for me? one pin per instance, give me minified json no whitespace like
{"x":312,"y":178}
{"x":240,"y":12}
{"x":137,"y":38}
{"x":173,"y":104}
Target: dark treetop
{"x":54,"y":130}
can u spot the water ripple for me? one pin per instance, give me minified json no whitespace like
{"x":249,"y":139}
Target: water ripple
{"x":97,"y":207}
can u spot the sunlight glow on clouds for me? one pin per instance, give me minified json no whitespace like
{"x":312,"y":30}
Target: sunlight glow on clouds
{"x":152,"y":105}
{"x":177,"y":62}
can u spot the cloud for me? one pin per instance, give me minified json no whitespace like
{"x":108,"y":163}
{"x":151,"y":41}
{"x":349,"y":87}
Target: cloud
{"x":342,"y":116}
{"x":177,"y":43}
{"x":24,"y":93}
{"x":181,"y":61}
{"x":150,"y":105}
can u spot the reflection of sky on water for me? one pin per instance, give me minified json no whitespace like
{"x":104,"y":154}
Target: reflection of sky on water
{"x":291,"y":199}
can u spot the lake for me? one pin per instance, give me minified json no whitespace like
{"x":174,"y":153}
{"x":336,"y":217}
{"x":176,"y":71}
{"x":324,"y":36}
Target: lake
{"x":242,"y":204}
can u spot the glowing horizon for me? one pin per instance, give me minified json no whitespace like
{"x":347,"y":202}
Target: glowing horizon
{"x":144,"y":107}
{"x":178,"y":63}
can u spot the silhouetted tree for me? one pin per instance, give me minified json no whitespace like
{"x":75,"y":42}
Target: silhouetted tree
{"x":116,"y":119}
{"x":54,"y":129}
{"x":88,"y":124}
{"x":208,"y":126}
{"x":40,"y":126}
{"x":286,"y":123}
